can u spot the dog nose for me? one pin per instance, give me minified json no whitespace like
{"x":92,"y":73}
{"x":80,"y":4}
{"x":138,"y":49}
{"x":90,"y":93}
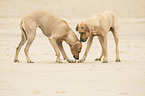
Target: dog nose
{"x":77,"y":58}
{"x":82,"y":40}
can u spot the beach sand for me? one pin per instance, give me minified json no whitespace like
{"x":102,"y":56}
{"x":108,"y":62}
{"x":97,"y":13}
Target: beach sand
{"x":45,"y":77}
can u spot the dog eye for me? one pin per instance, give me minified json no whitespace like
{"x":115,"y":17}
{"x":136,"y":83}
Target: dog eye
{"x":82,"y":27}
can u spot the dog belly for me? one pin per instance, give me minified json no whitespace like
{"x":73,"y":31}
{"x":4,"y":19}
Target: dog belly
{"x":46,"y":32}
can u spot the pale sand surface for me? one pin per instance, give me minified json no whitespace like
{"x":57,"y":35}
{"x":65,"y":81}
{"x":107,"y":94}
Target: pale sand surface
{"x":91,"y":78}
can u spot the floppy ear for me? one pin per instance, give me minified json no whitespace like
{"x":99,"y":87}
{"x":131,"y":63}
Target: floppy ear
{"x":77,"y":27}
{"x":74,"y":46}
{"x":86,"y":28}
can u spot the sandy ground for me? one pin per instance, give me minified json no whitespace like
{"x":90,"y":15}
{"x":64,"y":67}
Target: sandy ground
{"x":91,"y":78}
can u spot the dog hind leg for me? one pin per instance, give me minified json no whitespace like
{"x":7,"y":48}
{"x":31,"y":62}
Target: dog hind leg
{"x":29,"y":42}
{"x":22,"y":42}
{"x":116,"y":38}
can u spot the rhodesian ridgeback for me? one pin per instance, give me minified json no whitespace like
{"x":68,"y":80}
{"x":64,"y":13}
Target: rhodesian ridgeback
{"x":56,"y":29}
{"x":99,"y":25}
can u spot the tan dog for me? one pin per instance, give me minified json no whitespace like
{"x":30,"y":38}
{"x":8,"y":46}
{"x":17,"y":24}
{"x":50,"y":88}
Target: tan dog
{"x":99,"y":25}
{"x":55,"y":29}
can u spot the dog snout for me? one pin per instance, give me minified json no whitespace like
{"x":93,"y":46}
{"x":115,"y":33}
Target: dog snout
{"x":82,"y":40}
{"x":76,"y":57}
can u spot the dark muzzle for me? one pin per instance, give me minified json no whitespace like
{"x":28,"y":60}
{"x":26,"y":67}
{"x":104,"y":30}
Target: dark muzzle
{"x":83,"y":40}
{"x":77,"y":58}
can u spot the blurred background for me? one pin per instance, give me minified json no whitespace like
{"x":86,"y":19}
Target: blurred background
{"x":73,"y":11}
{"x":73,"y":8}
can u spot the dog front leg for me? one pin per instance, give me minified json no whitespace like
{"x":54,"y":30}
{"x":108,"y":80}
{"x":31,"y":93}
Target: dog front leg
{"x":89,"y":43}
{"x":54,"y":44}
{"x":59,"y":43}
{"x":105,"y":60}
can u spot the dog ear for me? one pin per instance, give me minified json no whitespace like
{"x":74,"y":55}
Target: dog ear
{"x":75,"y":46}
{"x":86,"y":28}
{"x":77,"y":27}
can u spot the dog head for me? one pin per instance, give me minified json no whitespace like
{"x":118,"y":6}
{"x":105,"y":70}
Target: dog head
{"x":84,"y":31}
{"x":76,"y":49}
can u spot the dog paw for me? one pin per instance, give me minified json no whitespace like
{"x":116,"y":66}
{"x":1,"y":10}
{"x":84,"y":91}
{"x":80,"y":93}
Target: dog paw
{"x":105,"y":61}
{"x":30,"y":61}
{"x":71,"y":61}
{"x":81,"y":61}
{"x":118,"y":60}
{"x":58,"y":61}
{"x":97,"y":59}
{"x":16,"y":61}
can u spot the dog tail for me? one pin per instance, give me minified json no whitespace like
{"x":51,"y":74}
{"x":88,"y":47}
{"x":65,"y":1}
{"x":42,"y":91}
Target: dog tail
{"x":24,"y":33}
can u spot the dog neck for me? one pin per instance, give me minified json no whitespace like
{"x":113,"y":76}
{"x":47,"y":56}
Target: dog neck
{"x":71,"y":38}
